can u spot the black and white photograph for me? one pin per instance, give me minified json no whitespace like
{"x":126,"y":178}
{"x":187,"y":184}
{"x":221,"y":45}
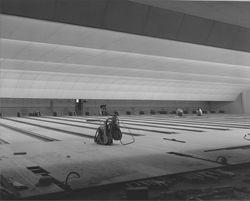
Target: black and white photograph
{"x":124,"y":100}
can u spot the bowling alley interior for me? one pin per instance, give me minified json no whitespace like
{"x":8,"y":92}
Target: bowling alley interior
{"x":124,"y":100}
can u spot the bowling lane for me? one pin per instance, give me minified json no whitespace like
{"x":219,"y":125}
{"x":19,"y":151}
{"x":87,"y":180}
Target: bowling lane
{"x":191,"y":141}
{"x":11,"y":136}
{"x":220,"y":119}
{"x":83,"y":120}
{"x":218,"y":123}
{"x":154,"y":128}
{"x":147,"y":129}
{"x":177,"y":124}
{"x":194,"y":141}
{"x":191,"y":123}
{"x":165,"y":124}
{"x":36,"y":127}
{"x":126,"y":129}
{"x":212,"y":120}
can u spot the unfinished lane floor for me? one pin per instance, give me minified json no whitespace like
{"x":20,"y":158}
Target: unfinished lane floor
{"x":195,"y":123}
{"x":37,"y":130}
{"x":152,"y":154}
{"x":8,"y":136}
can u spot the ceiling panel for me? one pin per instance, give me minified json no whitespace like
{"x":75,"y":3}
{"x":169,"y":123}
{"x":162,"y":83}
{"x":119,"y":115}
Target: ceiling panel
{"x":116,"y":41}
{"x":242,"y":39}
{"x":195,"y":29}
{"x":31,"y":8}
{"x":123,"y":15}
{"x":75,"y":10}
{"x":232,"y":12}
{"x":61,"y":68}
{"x":114,"y":15}
{"x":69,"y":60}
{"x":74,"y":61}
{"x":48,"y":93}
{"x":163,"y":23}
{"x":222,"y":34}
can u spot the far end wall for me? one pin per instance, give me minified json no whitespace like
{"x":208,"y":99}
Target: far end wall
{"x":231,"y":107}
{"x":135,"y":107}
{"x":246,"y":101}
{"x":11,"y":106}
{"x":25,"y":106}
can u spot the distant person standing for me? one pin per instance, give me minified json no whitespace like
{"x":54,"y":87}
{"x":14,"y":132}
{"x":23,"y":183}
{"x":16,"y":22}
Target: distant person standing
{"x":103,"y":110}
{"x":199,"y":112}
{"x":179,"y":112}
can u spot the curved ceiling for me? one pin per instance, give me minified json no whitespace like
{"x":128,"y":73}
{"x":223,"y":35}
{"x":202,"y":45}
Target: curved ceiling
{"x":41,"y":59}
{"x":216,"y":24}
{"x":231,"y":12}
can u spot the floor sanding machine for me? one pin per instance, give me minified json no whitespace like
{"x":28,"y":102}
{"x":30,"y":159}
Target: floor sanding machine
{"x":109,"y":131}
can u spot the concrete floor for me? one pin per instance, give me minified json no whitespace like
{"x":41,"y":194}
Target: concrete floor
{"x":99,"y":165}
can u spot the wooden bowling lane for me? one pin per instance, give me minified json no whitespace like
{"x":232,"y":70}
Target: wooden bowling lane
{"x":17,"y":129}
{"x":48,"y":135}
{"x":212,"y":140}
{"x":54,"y":127}
{"x":179,"y":124}
{"x":196,"y":123}
{"x":125,"y":130}
{"x":129,"y":132}
{"x":175,"y":130}
{"x":9,"y":136}
{"x":159,"y":129}
{"x":75,"y":123}
{"x":220,"y":121}
{"x":226,"y":119}
{"x":84,"y":124}
{"x":137,"y":128}
{"x":166,"y":124}
{"x":124,"y":127}
{"x":195,"y":140}
{"x":236,"y":117}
